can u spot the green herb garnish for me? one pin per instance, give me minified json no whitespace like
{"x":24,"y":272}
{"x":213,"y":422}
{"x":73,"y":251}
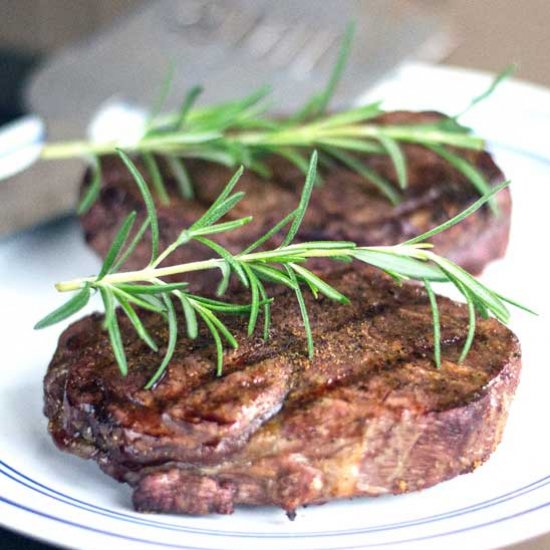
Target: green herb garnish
{"x":242,"y":133}
{"x":285,"y":264}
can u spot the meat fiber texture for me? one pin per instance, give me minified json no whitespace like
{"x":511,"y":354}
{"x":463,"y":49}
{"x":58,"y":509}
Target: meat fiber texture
{"x":369,"y":415}
{"x":345,"y":207}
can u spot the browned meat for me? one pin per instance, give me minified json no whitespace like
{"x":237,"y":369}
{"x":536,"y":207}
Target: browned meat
{"x":369,"y":415}
{"x":346,"y":207}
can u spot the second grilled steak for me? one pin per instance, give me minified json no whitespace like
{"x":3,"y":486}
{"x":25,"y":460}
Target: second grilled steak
{"x":345,"y":207}
{"x":369,"y":415}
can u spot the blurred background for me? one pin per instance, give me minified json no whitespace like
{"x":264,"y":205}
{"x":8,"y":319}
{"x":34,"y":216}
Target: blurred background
{"x":489,"y":33}
{"x":60,"y":59}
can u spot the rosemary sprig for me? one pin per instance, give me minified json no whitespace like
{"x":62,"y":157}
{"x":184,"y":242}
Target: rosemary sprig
{"x":241,"y":133}
{"x":285,"y":264}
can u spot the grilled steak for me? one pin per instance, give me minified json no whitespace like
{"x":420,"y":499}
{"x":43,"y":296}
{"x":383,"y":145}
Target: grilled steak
{"x":369,"y":415}
{"x":346,"y":207}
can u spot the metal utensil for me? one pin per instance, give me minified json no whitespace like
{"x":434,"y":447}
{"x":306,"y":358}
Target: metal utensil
{"x":229,"y":47}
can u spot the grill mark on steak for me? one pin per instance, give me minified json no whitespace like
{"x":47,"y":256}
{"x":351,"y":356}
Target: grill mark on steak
{"x":369,"y":415}
{"x":345,"y":207}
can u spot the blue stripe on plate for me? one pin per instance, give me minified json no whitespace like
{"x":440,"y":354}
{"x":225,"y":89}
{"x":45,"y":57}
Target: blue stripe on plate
{"x":354,"y":547}
{"x":66,"y":499}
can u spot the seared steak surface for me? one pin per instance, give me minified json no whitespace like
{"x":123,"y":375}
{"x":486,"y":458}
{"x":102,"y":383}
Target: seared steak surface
{"x":369,"y":415}
{"x":345,"y":207}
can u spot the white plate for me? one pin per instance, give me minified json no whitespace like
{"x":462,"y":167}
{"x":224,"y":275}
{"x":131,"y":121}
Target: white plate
{"x":65,"y":500}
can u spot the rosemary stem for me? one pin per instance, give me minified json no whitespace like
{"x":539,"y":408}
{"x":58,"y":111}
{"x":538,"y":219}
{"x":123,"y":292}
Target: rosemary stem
{"x":308,"y":135}
{"x":141,"y":275}
{"x":165,"y":254}
{"x":314,"y":134}
{"x":153,"y":272}
{"x":68,"y":149}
